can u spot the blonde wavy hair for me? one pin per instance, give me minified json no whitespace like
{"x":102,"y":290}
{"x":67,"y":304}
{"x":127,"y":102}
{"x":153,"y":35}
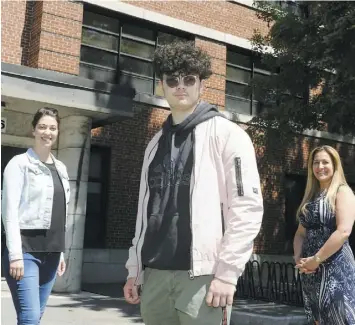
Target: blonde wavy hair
{"x":313,"y":187}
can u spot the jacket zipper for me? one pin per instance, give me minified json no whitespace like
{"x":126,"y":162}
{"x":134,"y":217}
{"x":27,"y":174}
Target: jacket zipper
{"x":139,"y":238}
{"x":238,"y":175}
{"x":140,"y":234}
{"x":191,"y":271}
{"x":222,"y":217}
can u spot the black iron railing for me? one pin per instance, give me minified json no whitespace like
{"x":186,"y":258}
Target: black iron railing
{"x":271,"y":281}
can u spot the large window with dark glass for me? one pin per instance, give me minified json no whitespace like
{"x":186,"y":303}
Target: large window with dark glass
{"x":242,"y":67}
{"x":120,"y":50}
{"x":97,"y":198}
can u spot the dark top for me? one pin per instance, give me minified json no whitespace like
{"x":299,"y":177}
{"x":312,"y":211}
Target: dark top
{"x":53,"y":239}
{"x":167,"y":242}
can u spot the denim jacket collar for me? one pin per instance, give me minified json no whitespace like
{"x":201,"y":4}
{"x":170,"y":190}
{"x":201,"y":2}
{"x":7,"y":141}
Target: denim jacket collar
{"x":34,"y":158}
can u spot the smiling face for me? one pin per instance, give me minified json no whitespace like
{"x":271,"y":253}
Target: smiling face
{"x":323,"y":168}
{"x":46,"y":131}
{"x":182,"y":91}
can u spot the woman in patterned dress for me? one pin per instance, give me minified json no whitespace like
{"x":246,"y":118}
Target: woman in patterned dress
{"x":321,"y":248}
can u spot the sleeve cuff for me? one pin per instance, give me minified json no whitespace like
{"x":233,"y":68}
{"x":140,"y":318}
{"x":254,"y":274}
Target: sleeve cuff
{"x":15,"y":256}
{"x":228,"y":273}
{"x":132,"y":272}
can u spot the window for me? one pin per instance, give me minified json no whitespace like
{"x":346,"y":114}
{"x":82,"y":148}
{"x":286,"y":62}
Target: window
{"x":95,"y":223}
{"x":242,"y":67}
{"x":120,"y":50}
{"x":292,"y":6}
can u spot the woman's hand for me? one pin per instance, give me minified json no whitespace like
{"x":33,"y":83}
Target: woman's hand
{"x":17,"y":269}
{"x":61,"y":268}
{"x":307,"y":265}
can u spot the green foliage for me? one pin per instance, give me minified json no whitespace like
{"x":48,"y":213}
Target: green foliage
{"x":313,"y":63}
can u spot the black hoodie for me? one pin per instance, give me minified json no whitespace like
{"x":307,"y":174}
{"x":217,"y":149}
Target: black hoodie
{"x":167,"y":241}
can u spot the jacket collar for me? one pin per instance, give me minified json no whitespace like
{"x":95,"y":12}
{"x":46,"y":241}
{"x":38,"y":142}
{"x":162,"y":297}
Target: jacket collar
{"x":33,"y":157}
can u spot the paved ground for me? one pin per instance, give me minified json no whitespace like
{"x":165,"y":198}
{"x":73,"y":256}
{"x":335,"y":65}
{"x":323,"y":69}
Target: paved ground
{"x":81,"y":309}
{"x":106,"y":306}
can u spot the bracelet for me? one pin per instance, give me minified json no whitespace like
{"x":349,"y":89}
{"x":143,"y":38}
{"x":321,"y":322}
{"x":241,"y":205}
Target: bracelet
{"x":317,"y":259}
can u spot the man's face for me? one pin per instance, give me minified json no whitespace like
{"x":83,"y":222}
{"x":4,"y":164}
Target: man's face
{"x":182,"y":91}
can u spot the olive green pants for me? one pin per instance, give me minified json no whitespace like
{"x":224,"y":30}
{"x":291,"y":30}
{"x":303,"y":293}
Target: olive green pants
{"x":172,"y":298}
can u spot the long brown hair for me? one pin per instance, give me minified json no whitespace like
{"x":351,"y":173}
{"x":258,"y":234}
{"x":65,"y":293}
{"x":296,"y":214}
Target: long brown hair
{"x":313,"y":187}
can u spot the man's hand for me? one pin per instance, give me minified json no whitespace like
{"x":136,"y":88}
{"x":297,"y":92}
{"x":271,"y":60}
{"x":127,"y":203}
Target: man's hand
{"x":61,"y":268}
{"x":131,"y":292}
{"x":17,"y":270}
{"x":220,"y":293}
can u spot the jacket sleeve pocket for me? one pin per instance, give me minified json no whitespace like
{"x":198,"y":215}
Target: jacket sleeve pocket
{"x":244,"y":212}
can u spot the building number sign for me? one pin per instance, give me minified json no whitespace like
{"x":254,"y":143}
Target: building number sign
{"x":3,"y":124}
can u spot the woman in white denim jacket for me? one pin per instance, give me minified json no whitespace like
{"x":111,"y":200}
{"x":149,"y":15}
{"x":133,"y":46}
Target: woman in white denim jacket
{"x":34,"y":211}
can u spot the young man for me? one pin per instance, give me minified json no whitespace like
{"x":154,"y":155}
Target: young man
{"x":200,"y":205}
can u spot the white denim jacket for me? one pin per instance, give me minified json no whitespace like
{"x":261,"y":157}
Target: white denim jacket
{"x":27,"y":197}
{"x":225,"y":175}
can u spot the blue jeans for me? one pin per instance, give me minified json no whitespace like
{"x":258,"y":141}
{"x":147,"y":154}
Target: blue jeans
{"x":31,"y":293}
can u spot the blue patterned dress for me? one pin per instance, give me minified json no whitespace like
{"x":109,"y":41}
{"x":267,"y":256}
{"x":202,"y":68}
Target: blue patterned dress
{"x":329,"y":294}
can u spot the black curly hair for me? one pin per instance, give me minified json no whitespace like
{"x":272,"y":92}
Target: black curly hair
{"x":182,"y":57}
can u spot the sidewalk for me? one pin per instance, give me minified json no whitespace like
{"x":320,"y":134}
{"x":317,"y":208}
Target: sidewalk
{"x":105,"y":305}
{"x":245,"y":312}
{"x":84,"y":308}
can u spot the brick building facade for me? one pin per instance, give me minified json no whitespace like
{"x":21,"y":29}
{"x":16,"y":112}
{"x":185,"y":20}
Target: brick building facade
{"x":109,"y":43}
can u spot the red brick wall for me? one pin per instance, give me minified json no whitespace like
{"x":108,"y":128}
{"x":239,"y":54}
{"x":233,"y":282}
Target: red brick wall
{"x":223,"y":16}
{"x":42,"y":34}
{"x":215,"y":85}
{"x":60,"y":36}
{"x":15,"y":27}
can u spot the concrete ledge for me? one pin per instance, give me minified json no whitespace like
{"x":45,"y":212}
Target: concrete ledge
{"x":250,"y":312}
{"x":243,"y":118}
{"x":25,"y":89}
{"x":104,"y":266}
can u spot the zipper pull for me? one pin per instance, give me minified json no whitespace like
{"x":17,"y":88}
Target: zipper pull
{"x":191,"y":274}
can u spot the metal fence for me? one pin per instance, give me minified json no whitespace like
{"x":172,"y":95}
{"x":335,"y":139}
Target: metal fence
{"x":272,"y":282}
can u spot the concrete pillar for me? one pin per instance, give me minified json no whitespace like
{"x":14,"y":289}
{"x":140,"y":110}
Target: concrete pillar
{"x":74,"y":152}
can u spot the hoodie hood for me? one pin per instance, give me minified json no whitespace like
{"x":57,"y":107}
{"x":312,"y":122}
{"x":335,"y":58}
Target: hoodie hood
{"x":203,"y":112}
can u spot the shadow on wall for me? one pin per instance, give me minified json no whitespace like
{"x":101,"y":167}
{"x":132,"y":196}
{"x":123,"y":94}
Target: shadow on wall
{"x":31,"y":34}
{"x":123,"y":89}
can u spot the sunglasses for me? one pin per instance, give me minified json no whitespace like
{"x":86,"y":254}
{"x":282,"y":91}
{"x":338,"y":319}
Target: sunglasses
{"x":174,"y":81}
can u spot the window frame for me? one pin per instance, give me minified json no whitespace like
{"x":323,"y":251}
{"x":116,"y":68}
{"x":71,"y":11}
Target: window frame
{"x":123,"y":20}
{"x":253,"y":69}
